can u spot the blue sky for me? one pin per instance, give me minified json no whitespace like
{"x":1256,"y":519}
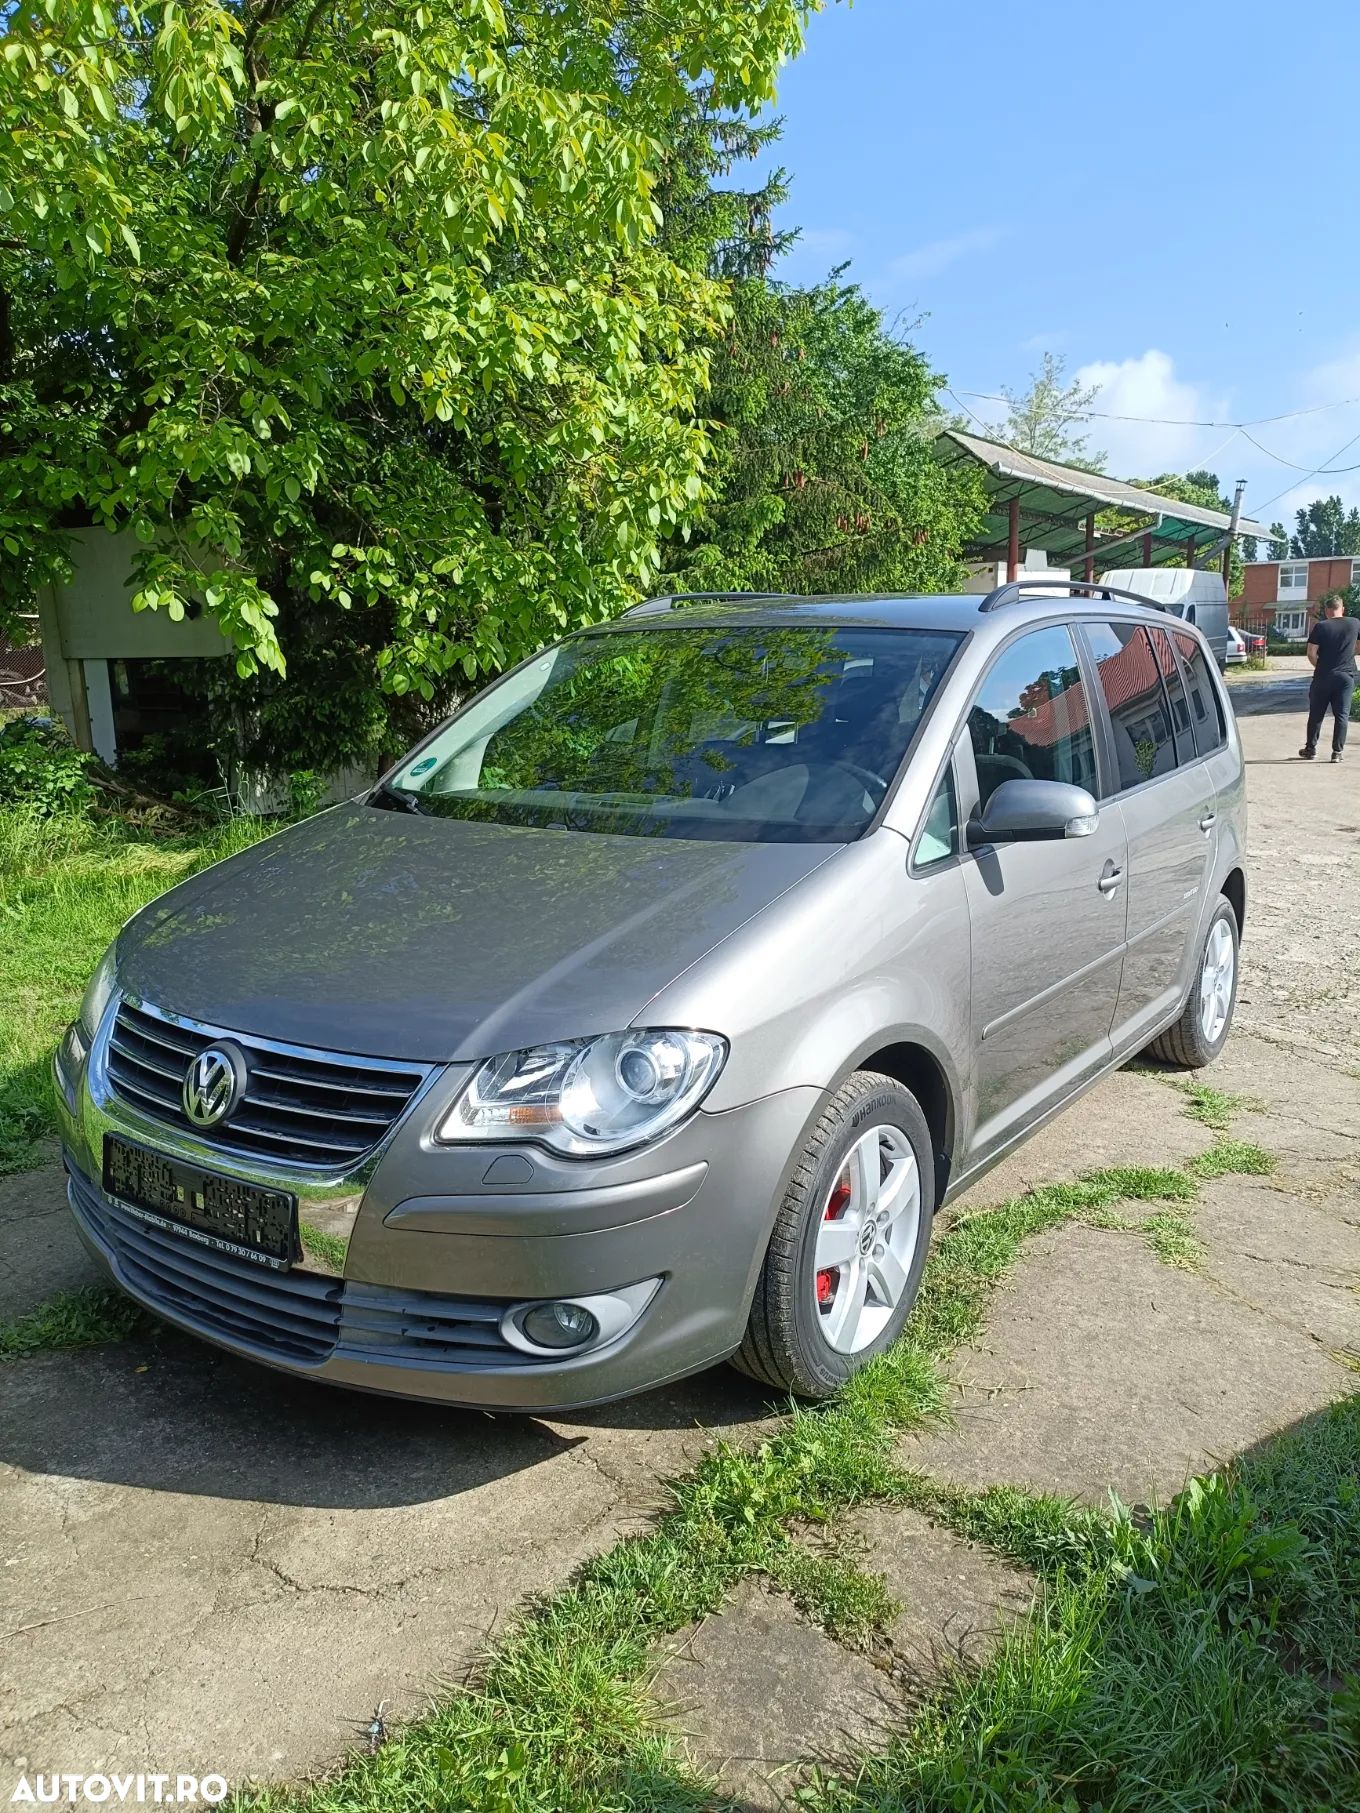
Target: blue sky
{"x":1165,"y":195}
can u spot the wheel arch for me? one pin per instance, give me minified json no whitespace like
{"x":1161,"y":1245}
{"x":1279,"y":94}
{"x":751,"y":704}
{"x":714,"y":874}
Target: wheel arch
{"x":919,"y":1066}
{"x":1234,"y":890}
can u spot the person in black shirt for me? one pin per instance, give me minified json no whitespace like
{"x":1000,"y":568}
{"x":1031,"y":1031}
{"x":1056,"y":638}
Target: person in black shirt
{"x":1331,"y":650}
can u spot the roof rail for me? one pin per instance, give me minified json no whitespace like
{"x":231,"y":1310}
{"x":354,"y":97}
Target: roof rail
{"x":1016,"y":588}
{"x":669,"y":601}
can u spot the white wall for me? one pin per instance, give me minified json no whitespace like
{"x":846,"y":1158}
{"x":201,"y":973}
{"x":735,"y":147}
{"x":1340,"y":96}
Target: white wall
{"x":94,"y":617}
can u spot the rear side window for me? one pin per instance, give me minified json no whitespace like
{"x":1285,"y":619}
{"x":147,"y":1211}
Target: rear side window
{"x":1140,"y":712}
{"x":1206,"y":712}
{"x":1175,"y":692}
{"x":1032,"y":719}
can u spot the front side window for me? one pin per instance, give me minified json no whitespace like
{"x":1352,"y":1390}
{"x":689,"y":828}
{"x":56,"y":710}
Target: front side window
{"x":1144,"y":741}
{"x":1031,"y":720}
{"x":939,"y":837}
{"x":1206,"y":710}
{"x":783,"y":734}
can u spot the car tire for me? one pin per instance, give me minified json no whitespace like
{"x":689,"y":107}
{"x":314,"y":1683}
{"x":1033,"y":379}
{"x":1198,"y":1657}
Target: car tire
{"x":1200,"y":1034}
{"x":803,"y":1335}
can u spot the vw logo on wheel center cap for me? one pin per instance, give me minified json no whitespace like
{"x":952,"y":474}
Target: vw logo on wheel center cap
{"x":214,"y":1083}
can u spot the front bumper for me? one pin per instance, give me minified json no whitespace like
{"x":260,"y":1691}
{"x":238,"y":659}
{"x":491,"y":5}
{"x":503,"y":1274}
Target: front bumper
{"x":408,"y":1264}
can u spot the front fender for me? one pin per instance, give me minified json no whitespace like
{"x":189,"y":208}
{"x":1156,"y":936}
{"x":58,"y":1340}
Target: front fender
{"x":861,"y":956}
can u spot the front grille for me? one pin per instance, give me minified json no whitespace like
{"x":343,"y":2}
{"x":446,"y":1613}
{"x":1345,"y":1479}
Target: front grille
{"x":318,"y":1108}
{"x":422,"y":1328}
{"x":296,"y":1315}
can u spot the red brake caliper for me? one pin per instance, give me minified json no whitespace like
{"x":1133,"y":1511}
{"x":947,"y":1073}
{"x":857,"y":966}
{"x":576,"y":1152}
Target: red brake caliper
{"x":835,"y":1208}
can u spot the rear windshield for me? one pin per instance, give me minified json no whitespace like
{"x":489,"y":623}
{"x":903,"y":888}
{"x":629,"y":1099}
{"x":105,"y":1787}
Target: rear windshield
{"x":760,"y":734}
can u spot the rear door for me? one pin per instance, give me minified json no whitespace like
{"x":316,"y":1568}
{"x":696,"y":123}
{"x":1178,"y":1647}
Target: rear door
{"x":1047,"y":918}
{"x":1163,"y":788}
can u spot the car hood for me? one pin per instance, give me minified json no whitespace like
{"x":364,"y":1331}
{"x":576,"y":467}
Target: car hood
{"x":393,"y":935}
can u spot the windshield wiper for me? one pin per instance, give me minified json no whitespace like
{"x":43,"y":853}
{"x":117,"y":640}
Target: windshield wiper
{"x":396,"y":798}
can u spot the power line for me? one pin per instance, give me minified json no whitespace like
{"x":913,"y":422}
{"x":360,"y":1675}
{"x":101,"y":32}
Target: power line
{"x":1326,"y":469}
{"x":1168,"y":421}
{"x":1280,"y":459}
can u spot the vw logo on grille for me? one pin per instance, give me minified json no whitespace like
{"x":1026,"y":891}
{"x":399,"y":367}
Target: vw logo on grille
{"x":213,"y":1084}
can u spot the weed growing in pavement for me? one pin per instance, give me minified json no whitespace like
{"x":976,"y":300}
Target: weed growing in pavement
{"x":1232,"y":1157}
{"x":850,"y":1604}
{"x":1214,"y":1108}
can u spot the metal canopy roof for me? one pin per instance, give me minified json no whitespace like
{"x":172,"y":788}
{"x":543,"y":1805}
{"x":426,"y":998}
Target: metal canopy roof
{"x":1055,"y":502}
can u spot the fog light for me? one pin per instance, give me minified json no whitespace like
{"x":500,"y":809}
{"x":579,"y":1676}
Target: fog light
{"x":567,"y":1327}
{"x":559,"y":1325}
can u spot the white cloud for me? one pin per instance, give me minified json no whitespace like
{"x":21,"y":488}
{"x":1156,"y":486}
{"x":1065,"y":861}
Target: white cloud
{"x":1051,"y":340}
{"x":1148,"y":388}
{"x":930,"y":260}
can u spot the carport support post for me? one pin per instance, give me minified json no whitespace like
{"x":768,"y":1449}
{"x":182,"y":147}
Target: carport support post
{"x":1190,"y":552}
{"x":1147,"y":549}
{"x":1088,"y":570}
{"x":1013,"y":541}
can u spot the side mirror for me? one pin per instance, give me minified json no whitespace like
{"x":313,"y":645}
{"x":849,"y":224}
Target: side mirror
{"x":1034,"y":812}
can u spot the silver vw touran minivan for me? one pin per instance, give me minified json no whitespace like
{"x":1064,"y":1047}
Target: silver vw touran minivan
{"x":644,"y":1015}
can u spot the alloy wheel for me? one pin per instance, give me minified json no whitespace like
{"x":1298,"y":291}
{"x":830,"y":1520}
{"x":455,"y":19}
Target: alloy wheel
{"x":1216,"y":981}
{"x":865,"y":1239}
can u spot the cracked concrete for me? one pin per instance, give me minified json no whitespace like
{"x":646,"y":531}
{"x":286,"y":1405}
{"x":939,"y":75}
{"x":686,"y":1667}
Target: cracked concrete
{"x":209,"y":1564}
{"x":756,"y":1691}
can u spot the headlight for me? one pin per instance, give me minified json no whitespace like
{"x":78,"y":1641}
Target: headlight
{"x":96,"y":998}
{"x":589,"y":1095}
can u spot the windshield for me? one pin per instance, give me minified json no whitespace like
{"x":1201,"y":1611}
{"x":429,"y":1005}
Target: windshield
{"x":769,"y":734}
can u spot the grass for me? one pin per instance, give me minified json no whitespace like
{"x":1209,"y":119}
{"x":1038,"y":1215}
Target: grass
{"x":80,"y":1318}
{"x":1199,"y":1657}
{"x":561,"y":1719}
{"x":330,"y":1249}
{"x":1232,"y":1157}
{"x":1214,"y":1108}
{"x":66,"y":886}
{"x":830,"y":1589}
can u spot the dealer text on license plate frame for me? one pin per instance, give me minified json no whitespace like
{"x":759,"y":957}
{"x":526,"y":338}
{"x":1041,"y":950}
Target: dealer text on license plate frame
{"x":247,"y":1220}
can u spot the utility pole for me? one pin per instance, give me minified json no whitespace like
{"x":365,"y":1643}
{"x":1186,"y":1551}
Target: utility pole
{"x":1232,"y":530}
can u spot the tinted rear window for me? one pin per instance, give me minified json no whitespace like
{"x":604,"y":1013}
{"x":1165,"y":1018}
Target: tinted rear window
{"x":1140,"y":712}
{"x":1206,"y":711}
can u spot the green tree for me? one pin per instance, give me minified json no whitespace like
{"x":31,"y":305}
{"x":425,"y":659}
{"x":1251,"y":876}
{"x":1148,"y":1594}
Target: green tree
{"x":1325,"y":527}
{"x":1279,"y":542}
{"x":1201,"y":488}
{"x":356,"y":316}
{"x":1039,"y":420}
{"x":825,"y":477}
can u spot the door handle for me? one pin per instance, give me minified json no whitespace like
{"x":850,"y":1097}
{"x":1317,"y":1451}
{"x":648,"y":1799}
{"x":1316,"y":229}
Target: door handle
{"x":1110,"y":878}
{"x":1207,"y":823}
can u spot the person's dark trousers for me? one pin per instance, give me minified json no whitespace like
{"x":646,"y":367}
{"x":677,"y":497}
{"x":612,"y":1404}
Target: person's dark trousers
{"x":1330,"y":692}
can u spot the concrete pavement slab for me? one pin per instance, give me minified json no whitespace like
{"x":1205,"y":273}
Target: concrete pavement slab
{"x":1102,"y":1369}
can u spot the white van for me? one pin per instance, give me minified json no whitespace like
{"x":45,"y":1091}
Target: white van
{"x":1198,"y":596}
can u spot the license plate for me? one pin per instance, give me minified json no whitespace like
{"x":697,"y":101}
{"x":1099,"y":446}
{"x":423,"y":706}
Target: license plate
{"x":241,"y":1218}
